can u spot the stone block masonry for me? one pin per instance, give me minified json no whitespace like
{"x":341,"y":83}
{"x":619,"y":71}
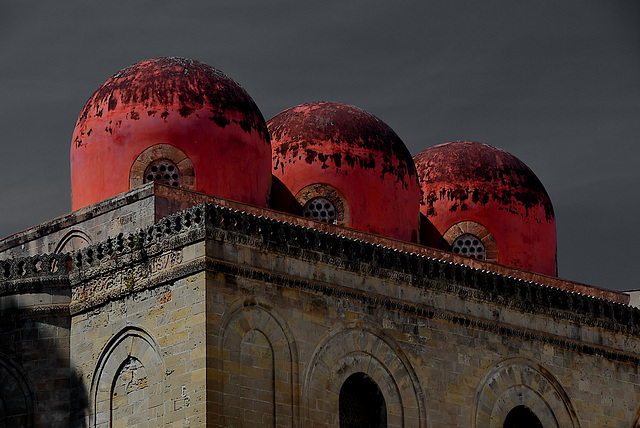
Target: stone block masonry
{"x":217,"y":317}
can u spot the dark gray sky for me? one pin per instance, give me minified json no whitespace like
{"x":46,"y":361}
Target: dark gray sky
{"x":556,"y":83}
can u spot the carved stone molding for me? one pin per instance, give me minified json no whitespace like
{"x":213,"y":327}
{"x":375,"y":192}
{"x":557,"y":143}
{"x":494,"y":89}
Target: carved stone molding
{"x":420,"y":311}
{"x":229,"y":225}
{"x":44,"y":269}
{"x":87,"y":295}
{"x":36,"y":312}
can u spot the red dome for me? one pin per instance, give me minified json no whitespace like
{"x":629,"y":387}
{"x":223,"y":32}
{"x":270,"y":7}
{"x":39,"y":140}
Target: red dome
{"x":469,"y":185}
{"x":170,"y":113}
{"x":357,"y":157}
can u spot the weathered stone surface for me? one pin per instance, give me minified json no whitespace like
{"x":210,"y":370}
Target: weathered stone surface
{"x":216,"y":316}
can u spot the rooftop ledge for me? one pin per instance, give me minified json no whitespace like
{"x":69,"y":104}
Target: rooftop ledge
{"x":169,"y":200}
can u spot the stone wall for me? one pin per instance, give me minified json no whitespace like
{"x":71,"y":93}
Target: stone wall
{"x":441,"y":352}
{"x":121,"y":214}
{"x":35,"y":374}
{"x":138,"y":330}
{"x":241,"y":320}
{"x":142,"y":357}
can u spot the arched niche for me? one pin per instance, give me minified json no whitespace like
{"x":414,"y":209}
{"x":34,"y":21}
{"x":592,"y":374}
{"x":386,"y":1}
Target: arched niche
{"x":129,"y":376}
{"x":73,"y":240}
{"x":259,"y":363}
{"x":522,"y":417}
{"x":16,"y":396}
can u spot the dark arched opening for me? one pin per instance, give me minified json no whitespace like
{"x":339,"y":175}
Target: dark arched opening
{"x":362,"y":404}
{"x":522,"y":417}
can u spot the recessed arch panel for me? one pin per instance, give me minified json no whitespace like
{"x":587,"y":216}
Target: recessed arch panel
{"x":259,"y":359}
{"x":16,"y":396}
{"x":130,"y":363}
{"x":73,"y":240}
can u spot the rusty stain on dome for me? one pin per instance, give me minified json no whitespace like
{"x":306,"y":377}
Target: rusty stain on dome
{"x":174,"y":85}
{"x":464,"y":172}
{"x":335,"y":133}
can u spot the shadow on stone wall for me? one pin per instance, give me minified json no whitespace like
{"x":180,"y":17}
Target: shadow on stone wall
{"x":38,"y":386}
{"x":79,"y":401}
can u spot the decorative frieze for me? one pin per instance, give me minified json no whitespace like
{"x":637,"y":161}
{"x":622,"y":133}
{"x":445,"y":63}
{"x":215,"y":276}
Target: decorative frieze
{"x":315,"y":246}
{"x":45,"y":268}
{"x":111,"y":284}
{"x":36,"y":312}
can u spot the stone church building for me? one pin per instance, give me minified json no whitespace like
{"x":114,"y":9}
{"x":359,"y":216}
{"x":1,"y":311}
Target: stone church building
{"x":220,"y":270}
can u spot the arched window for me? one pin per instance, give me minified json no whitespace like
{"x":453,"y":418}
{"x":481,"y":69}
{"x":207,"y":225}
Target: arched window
{"x":163,"y":171}
{"x":521,"y":417}
{"x":469,"y":245}
{"x":323,"y":202}
{"x":164,"y":164}
{"x":362,"y":404}
{"x":321,"y":209}
{"x":471,"y":239}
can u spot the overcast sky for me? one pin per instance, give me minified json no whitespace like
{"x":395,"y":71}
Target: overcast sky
{"x":556,"y":83}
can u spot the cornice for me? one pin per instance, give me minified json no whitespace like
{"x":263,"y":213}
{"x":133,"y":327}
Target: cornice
{"x":419,"y":310}
{"x":214,"y":222}
{"x":36,"y":312}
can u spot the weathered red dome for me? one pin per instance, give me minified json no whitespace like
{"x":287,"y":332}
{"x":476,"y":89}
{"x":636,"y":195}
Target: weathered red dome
{"x":170,"y":115}
{"x":472,"y":189}
{"x":347,"y":156}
